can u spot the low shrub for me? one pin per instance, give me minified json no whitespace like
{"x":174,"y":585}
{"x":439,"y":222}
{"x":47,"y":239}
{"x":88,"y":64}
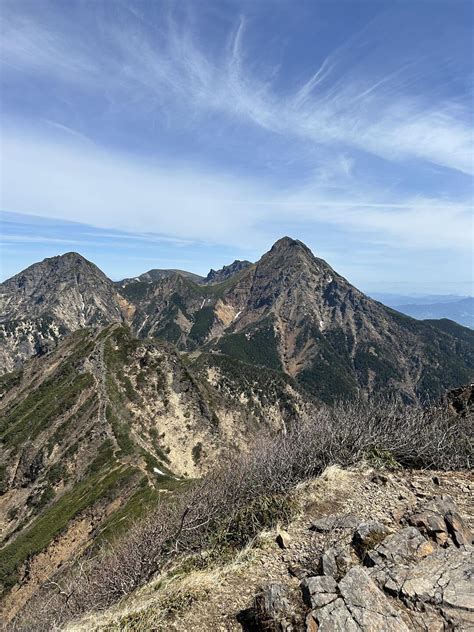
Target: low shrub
{"x":250,"y":491}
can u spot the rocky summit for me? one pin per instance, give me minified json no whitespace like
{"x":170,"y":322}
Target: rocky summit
{"x":48,"y":300}
{"x":290,"y":312}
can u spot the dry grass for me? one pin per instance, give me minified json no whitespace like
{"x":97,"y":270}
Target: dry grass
{"x":231,"y":505}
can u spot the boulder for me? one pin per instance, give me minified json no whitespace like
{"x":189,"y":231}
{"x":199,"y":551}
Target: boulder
{"x":353,"y":605}
{"x":335,"y":562}
{"x":389,"y":562}
{"x":444,"y":578}
{"x":335,"y":617}
{"x":318,"y":591}
{"x":369,"y":607}
{"x":440,"y":520}
{"x":426,"y":578}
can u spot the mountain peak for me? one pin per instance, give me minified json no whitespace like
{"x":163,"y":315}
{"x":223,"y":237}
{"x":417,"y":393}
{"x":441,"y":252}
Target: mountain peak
{"x":217,"y":276}
{"x":287,"y":244}
{"x":67,"y":257}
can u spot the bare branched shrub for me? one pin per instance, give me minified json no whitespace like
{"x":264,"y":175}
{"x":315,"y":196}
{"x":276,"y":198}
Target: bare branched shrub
{"x":249,"y":492}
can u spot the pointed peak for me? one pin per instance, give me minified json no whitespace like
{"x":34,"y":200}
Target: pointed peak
{"x":217,"y":276}
{"x":288,"y":245}
{"x":68,"y":258}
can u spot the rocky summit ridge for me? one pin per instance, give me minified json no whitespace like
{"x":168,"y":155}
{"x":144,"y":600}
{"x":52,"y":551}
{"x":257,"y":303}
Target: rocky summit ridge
{"x":290,"y":312}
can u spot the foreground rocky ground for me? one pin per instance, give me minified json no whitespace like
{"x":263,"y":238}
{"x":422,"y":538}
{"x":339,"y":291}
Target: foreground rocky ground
{"x":369,"y":550}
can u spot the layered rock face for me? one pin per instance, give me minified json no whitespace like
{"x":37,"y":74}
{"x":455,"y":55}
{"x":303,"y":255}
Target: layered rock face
{"x":50,"y":299}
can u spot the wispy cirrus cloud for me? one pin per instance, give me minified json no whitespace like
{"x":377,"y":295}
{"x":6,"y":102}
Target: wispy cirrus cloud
{"x":26,"y":46}
{"x":156,"y":121}
{"x":344,"y":100}
{"x":109,"y":190}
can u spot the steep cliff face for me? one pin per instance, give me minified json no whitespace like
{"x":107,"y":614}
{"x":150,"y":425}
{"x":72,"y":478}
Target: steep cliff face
{"x":50,"y":299}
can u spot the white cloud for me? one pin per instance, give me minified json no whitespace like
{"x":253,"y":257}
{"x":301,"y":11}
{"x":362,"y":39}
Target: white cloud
{"x":343,"y":101}
{"x":25,"y":46}
{"x":114,"y":191}
{"x":341,"y":106}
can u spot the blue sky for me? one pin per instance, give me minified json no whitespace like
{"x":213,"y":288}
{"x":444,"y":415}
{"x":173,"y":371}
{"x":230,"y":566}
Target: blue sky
{"x":187,"y":134}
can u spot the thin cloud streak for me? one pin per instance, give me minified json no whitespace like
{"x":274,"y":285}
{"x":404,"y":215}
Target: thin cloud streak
{"x":338,"y":103}
{"x":118,"y":192}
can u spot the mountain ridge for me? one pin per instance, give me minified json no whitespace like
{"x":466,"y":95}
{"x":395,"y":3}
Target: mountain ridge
{"x":106,"y":423}
{"x":290,"y":311}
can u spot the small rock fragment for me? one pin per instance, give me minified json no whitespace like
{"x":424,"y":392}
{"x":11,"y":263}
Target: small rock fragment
{"x":379,"y":479}
{"x":297,"y":571}
{"x":328,"y":564}
{"x":367,"y":535}
{"x":311,"y":625}
{"x":323,"y":525}
{"x":283,"y":539}
{"x":458,"y":529}
{"x":328,"y":523}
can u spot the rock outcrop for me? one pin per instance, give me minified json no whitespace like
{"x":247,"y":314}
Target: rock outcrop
{"x":388,"y":582}
{"x":227,"y":272}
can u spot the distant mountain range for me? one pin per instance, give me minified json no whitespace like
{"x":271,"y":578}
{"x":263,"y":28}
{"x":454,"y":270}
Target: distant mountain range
{"x":457,"y":308}
{"x":290,"y":312}
{"x":393,"y":300}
